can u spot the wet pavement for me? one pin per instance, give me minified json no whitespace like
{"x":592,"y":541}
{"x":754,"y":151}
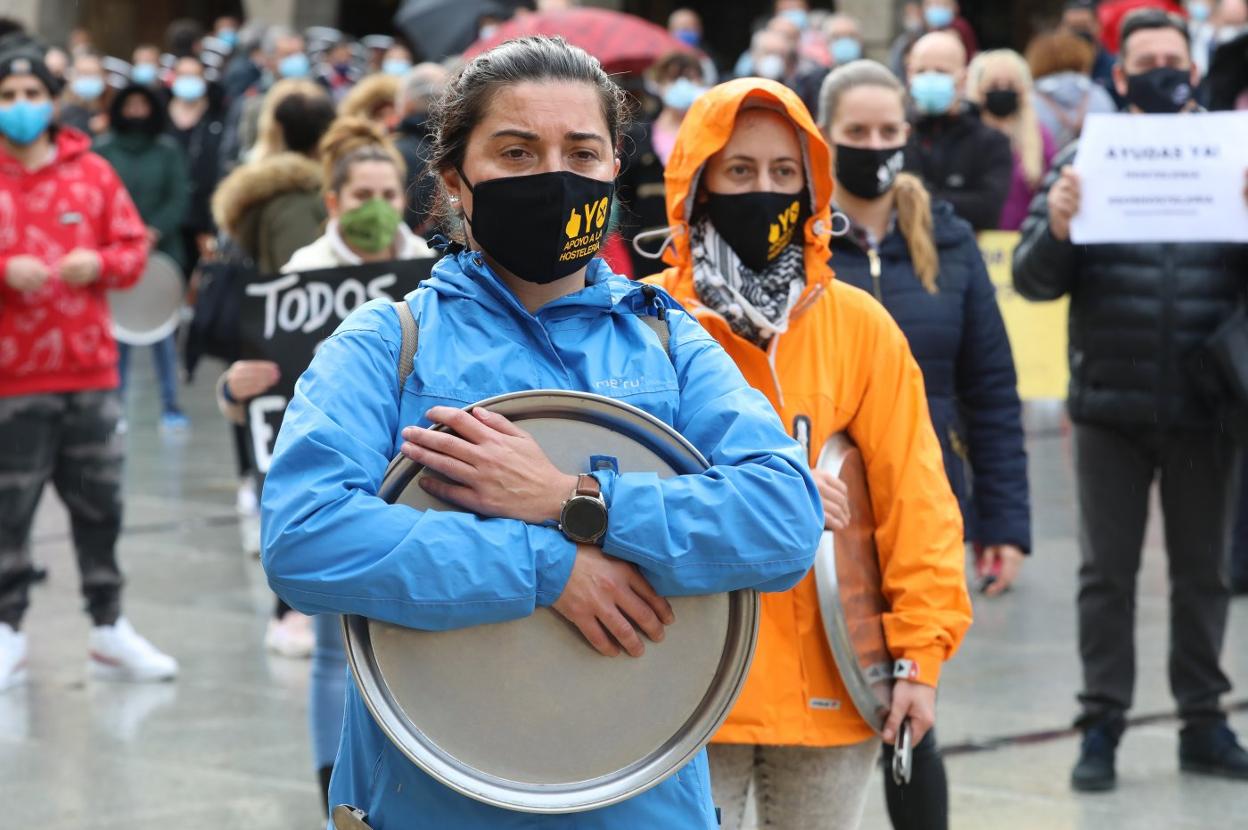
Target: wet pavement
{"x":227,"y":746}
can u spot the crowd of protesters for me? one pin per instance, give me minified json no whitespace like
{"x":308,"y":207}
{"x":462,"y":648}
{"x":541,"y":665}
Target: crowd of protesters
{"x":283,"y":150}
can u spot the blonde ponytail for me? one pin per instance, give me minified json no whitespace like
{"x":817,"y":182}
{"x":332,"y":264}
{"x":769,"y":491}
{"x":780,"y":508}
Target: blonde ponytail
{"x":914,"y":219}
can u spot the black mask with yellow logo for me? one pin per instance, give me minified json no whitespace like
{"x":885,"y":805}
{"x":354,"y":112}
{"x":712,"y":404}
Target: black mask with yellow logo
{"x":759,"y":226}
{"x":542,"y":227}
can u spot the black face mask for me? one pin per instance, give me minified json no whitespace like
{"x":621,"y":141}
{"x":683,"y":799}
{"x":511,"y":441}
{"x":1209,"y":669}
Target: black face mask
{"x":1001,"y":102}
{"x":868,"y":173}
{"x":759,"y":226}
{"x":542,"y":227}
{"x":1161,"y":91}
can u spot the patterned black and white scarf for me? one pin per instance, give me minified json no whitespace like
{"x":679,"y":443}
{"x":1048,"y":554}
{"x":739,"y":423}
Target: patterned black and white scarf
{"x":756,"y":304}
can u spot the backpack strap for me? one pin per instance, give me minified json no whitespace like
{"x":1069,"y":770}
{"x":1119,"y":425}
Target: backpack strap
{"x":411,"y":339}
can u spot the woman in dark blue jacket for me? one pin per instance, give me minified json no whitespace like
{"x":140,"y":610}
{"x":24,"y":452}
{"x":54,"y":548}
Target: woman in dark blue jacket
{"x":924,"y":265}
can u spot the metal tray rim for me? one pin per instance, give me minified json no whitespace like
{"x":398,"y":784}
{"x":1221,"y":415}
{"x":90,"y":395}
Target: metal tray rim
{"x":835,"y":629}
{"x":596,"y":793}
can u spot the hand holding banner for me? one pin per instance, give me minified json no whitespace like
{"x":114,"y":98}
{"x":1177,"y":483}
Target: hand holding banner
{"x":284,"y":318}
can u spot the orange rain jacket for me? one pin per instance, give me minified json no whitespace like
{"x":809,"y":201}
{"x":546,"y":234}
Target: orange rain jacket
{"x":843,"y":365}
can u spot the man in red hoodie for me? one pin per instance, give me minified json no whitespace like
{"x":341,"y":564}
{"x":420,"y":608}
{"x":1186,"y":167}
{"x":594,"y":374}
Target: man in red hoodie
{"x":68,"y":234}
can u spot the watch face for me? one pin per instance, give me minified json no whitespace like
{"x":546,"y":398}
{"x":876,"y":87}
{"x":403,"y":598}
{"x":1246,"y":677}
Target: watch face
{"x":584,"y":518}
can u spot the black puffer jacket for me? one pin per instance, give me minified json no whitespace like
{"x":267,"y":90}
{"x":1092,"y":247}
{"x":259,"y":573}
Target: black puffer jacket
{"x":1139,"y":315}
{"x":964,"y":162}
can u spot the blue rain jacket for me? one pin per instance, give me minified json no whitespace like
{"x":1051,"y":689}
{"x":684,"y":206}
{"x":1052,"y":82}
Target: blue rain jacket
{"x":332,"y":546}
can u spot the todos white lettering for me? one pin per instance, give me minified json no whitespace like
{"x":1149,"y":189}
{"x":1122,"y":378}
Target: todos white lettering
{"x":293,"y":305}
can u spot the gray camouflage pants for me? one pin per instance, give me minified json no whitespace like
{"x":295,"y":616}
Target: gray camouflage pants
{"x":71,"y":440}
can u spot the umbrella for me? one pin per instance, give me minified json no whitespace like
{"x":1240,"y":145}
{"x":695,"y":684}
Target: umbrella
{"x":1228,"y":73}
{"x":621,"y":42}
{"x":441,"y":28}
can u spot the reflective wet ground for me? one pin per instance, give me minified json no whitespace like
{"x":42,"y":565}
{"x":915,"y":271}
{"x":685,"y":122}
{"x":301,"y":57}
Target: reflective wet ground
{"x":226,"y":745}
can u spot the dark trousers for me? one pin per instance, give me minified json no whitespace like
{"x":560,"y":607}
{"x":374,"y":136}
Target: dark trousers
{"x":71,"y":440}
{"x":1196,"y":472}
{"x":923,"y":804}
{"x":1239,"y":543}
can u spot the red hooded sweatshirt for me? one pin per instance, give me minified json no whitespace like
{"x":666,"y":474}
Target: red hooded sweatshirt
{"x":59,"y":339}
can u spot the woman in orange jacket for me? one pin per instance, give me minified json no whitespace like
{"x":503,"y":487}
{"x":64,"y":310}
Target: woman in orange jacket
{"x":749,"y":185}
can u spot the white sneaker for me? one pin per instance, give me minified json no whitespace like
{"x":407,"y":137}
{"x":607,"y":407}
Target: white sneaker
{"x":118,"y":652}
{"x":249,"y":534}
{"x":12,"y":657}
{"x":291,"y":636}
{"x":247,"y":503}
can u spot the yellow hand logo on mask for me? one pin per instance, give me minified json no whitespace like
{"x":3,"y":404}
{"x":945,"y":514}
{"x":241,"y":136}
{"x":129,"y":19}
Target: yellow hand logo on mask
{"x":573,"y":228}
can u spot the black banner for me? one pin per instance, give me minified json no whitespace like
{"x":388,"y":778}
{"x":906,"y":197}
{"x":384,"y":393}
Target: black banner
{"x":284,"y":318}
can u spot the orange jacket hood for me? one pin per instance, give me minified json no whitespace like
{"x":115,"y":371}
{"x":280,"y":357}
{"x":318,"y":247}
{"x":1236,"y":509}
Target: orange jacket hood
{"x":706,"y":129}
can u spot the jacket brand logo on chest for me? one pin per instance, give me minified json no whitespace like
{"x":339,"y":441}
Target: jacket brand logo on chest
{"x":618,"y":383}
{"x":71,"y":218}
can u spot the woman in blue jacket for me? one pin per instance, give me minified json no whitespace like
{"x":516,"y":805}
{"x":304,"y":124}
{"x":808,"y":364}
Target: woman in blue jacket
{"x":526,"y":152}
{"x":924,"y":265}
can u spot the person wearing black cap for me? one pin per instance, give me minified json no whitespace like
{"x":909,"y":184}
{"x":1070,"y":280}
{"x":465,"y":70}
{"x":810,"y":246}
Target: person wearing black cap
{"x":1079,"y":18}
{"x":69,"y":233}
{"x":155,"y":171}
{"x":1140,"y":316}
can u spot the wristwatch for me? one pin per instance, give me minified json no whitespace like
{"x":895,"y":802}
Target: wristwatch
{"x":583,"y":518}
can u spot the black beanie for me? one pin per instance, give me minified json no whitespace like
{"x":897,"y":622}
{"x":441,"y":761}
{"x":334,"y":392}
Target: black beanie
{"x":28,"y":62}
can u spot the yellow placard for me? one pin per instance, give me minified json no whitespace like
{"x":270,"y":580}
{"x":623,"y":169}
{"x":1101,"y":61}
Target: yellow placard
{"x":1037,"y":330}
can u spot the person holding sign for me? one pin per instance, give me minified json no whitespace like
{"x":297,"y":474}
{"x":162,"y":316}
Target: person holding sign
{"x":923,"y":263}
{"x":1139,"y":317}
{"x":748,"y":197}
{"x":526,"y":153}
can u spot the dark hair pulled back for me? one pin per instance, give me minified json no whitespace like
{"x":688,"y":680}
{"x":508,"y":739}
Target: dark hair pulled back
{"x":468,"y":96}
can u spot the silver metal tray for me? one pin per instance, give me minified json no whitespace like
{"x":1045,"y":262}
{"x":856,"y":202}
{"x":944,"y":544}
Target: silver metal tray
{"x":847,"y":576}
{"x":525,"y":715}
{"x":149,"y":311}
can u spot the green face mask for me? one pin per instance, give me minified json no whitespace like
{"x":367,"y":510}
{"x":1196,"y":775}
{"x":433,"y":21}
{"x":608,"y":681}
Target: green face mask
{"x":371,"y":227}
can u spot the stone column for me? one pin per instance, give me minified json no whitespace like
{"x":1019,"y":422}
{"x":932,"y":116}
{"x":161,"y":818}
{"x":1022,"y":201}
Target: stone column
{"x":879,"y":23}
{"x":50,"y":20}
{"x":298,"y":14}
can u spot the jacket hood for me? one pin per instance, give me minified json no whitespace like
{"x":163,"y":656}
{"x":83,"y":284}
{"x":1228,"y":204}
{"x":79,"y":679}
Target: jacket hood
{"x":706,"y":129}
{"x":151,"y":126}
{"x":70,"y":144}
{"x":257,"y":182}
{"x":1065,"y":88}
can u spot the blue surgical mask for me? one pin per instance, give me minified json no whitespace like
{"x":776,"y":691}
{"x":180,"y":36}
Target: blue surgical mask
{"x":396,"y":67}
{"x":294,"y":66}
{"x":934,"y":93}
{"x":189,"y":87}
{"x":1199,"y":11}
{"x":88,"y":87}
{"x":22,"y":122}
{"x":846,"y":50}
{"x":770,"y":66}
{"x":229,"y":37}
{"x":681,"y":93}
{"x":689,"y":37}
{"x":144,"y":74}
{"x":938,"y":17}
{"x":797,"y":17}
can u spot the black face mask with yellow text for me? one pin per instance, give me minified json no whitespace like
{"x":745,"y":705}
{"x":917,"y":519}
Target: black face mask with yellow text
{"x":759,"y":226}
{"x":541,"y":227}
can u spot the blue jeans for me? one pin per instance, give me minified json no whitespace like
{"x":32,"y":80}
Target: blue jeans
{"x":165,"y":354}
{"x":327,"y":691}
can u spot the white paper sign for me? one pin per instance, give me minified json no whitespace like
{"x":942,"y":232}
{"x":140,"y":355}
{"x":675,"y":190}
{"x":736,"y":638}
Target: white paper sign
{"x":1162,"y":178}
